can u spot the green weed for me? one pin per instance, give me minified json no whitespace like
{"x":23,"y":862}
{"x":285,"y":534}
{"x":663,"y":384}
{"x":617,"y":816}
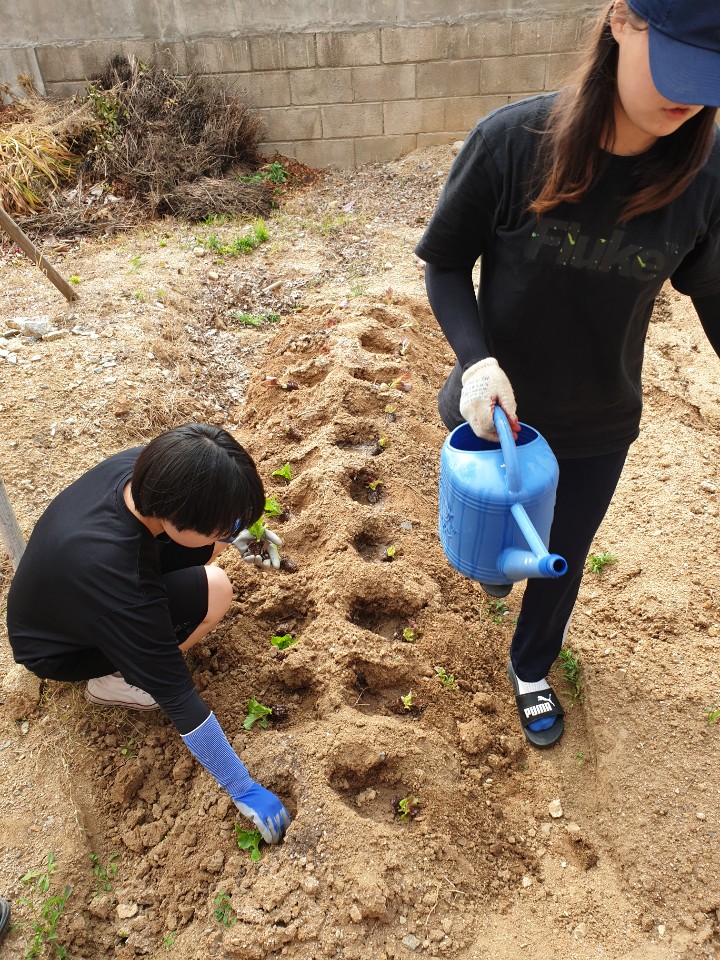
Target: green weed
{"x":245,"y":243}
{"x":596,"y":562}
{"x":570,"y":666}
{"x":169,"y":939}
{"x":74,"y":279}
{"x":408,"y":700}
{"x":496,"y":610}
{"x":223,"y":909}
{"x":254,"y":319}
{"x":104,"y":875}
{"x":45,"y":910}
{"x":249,"y":840}
{"x":712,"y":716}
{"x":256,"y":713}
{"x":275,"y":173}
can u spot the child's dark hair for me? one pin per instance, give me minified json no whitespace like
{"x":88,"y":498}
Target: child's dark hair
{"x":199,"y":478}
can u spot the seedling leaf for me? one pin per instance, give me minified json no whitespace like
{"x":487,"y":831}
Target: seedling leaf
{"x":249,"y":840}
{"x":284,"y":641}
{"x":256,"y":713}
{"x":284,"y":472}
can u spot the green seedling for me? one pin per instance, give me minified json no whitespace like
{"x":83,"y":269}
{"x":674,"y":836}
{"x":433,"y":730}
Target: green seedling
{"x":570,"y":666}
{"x":411,"y":633}
{"x":104,"y":875}
{"x":46,"y":911}
{"x":257,"y":529}
{"x":128,"y":750}
{"x":215,"y":220}
{"x":404,"y":346}
{"x":249,"y":840}
{"x":401,"y":384}
{"x":408,"y":701}
{"x":256,"y":713}
{"x":284,"y":641}
{"x":356,"y":290}
{"x":223,"y":909}
{"x":169,"y":939}
{"x":74,"y":279}
{"x":392,"y":552}
{"x":407,"y":808}
{"x":254,"y":319}
{"x":284,"y":473}
{"x":136,"y":262}
{"x":383,"y":442}
{"x":273,"y":508}
{"x":445,"y":678}
{"x":596,"y":562}
{"x":581,"y":758}
{"x":496,"y":609}
{"x":712,"y":716}
{"x":139,"y":295}
{"x":391,"y":413}
{"x":373,"y":485}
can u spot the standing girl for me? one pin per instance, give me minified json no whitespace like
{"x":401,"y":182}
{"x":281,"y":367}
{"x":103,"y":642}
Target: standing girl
{"x":581,"y":205}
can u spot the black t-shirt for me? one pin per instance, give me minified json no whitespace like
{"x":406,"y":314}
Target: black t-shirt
{"x":565,"y":300}
{"x":91,"y":577}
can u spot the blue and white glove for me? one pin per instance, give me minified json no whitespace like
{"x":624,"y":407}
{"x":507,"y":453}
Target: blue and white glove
{"x":210,"y":746}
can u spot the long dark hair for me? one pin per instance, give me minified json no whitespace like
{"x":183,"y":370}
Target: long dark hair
{"x":582,"y":122}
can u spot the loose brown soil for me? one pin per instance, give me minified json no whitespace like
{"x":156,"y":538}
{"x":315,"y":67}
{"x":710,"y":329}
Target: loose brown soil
{"x":631,"y":868}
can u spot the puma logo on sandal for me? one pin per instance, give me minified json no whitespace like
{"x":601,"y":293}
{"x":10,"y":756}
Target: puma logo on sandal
{"x":546,"y":706}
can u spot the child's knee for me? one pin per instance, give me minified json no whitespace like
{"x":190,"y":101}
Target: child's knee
{"x":220,"y":590}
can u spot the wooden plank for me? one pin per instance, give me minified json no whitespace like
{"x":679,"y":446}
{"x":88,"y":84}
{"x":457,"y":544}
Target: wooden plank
{"x":32,"y":252}
{"x":9,"y":529}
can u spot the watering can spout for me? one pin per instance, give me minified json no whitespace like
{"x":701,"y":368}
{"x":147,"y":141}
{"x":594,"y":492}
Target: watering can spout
{"x":516,"y":565}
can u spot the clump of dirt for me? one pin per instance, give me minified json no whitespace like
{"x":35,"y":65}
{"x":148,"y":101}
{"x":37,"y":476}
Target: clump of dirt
{"x":603,"y":845}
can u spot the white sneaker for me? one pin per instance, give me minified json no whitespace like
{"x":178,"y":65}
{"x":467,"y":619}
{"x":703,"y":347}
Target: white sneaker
{"x":113,"y":691}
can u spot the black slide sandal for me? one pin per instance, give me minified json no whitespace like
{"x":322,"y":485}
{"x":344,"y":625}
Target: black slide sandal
{"x":532,"y":706}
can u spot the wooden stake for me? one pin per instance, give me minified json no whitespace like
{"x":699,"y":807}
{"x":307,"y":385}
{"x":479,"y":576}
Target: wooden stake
{"x":32,"y":252}
{"x":9,"y":528}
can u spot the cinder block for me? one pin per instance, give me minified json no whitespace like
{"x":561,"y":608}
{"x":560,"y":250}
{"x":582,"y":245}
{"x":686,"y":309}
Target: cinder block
{"x":497,"y":38}
{"x":282,"y":51}
{"x":261,"y":89}
{"x":414,"y":116}
{"x":463,"y":113}
{"x":324,"y":85}
{"x":414,"y":44}
{"x":513,"y":74}
{"x":66,"y":89}
{"x":88,"y":60}
{"x":448,"y":78}
{"x":559,"y":68}
{"x":219,"y":56}
{"x":285,"y":148}
{"x":567,"y":34}
{"x":326,"y":153}
{"x":297,"y":123}
{"x":20,"y":61}
{"x":348,"y":49}
{"x":439,"y":139}
{"x":489,"y":38}
{"x":352,"y":120}
{"x":382,"y":149}
{"x":171,"y":56}
{"x":391,"y":82}
{"x":532,"y":36}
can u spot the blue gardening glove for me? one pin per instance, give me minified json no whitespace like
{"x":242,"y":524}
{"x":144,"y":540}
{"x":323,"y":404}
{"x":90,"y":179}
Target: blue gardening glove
{"x":265,"y":810}
{"x":210,"y":746}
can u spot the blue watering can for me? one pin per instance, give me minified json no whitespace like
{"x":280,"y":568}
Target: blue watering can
{"x":496,"y":505}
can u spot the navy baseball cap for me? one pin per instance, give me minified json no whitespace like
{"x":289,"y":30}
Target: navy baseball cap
{"x":684,"y":41}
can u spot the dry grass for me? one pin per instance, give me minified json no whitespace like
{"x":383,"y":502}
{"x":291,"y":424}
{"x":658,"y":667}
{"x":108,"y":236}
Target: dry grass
{"x":168,"y":131}
{"x":210,"y":196}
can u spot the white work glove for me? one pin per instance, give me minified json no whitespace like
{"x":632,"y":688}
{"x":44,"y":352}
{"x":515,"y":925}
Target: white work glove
{"x":261,"y":553}
{"x":484,"y":385}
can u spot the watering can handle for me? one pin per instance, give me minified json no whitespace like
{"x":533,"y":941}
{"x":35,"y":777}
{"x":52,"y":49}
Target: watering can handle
{"x":507,"y":443}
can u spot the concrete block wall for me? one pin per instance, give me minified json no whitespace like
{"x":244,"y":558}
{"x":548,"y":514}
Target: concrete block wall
{"x":345,"y":97}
